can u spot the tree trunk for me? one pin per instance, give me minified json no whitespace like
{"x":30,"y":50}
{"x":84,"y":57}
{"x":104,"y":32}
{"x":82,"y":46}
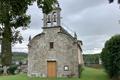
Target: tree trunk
{"x":6,"y":47}
{"x":115,"y":78}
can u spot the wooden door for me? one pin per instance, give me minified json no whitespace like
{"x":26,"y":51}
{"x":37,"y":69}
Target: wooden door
{"x":52,"y":69}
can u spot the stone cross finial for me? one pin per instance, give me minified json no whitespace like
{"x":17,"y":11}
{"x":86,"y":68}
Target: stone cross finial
{"x":29,"y":38}
{"x":75,"y":35}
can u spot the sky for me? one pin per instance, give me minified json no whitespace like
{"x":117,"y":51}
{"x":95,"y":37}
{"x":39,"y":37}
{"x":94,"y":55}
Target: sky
{"x":94,"y":22}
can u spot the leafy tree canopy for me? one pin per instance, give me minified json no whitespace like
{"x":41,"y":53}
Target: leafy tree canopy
{"x":111,"y":1}
{"x":110,"y":56}
{"x":12,"y":16}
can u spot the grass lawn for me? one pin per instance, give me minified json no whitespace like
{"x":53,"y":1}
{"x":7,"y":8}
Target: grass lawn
{"x":15,"y":77}
{"x":88,"y":74}
{"x":94,"y":74}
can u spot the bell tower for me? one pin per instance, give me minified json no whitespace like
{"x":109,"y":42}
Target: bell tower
{"x":53,"y":18}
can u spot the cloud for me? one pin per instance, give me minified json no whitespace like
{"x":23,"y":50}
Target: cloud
{"x":26,"y":34}
{"x":36,"y":16}
{"x":73,"y":7}
{"x":94,"y":21}
{"x":20,"y":47}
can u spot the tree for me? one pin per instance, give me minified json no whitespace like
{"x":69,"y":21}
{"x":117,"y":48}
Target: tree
{"x":12,"y":16}
{"x":110,"y":56}
{"x":111,"y":1}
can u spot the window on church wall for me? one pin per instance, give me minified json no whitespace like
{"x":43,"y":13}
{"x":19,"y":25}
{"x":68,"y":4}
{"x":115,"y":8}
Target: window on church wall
{"x":51,"y":45}
{"x":66,"y":68}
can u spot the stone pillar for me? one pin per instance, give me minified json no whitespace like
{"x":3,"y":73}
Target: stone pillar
{"x":58,"y":17}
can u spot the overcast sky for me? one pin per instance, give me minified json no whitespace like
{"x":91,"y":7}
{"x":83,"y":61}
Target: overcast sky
{"x":94,"y":21}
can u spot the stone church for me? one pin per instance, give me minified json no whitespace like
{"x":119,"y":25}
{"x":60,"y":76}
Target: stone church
{"x":54,"y":52}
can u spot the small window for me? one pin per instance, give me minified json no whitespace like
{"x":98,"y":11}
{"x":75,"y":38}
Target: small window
{"x":51,"y":45}
{"x":66,"y":68}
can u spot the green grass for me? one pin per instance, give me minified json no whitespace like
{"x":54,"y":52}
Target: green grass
{"x":14,"y":77}
{"x":88,"y":74}
{"x":94,"y":74}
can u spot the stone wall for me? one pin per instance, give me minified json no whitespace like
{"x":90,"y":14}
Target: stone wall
{"x":65,"y":52}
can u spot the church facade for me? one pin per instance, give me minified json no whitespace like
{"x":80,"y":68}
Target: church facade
{"x":54,"y":52}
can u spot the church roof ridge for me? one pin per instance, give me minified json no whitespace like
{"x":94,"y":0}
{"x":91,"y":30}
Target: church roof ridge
{"x":66,"y":32}
{"x":36,"y":36}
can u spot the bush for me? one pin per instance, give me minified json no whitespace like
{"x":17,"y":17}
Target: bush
{"x":12,"y":69}
{"x":80,"y":69}
{"x":110,"y":56}
{"x":1,"y":71}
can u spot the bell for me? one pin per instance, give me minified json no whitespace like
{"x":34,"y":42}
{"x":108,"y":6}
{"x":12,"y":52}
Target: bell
{"x":110,"y":1}
{"x":49,"y":21}
{"x":118,"y":1}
